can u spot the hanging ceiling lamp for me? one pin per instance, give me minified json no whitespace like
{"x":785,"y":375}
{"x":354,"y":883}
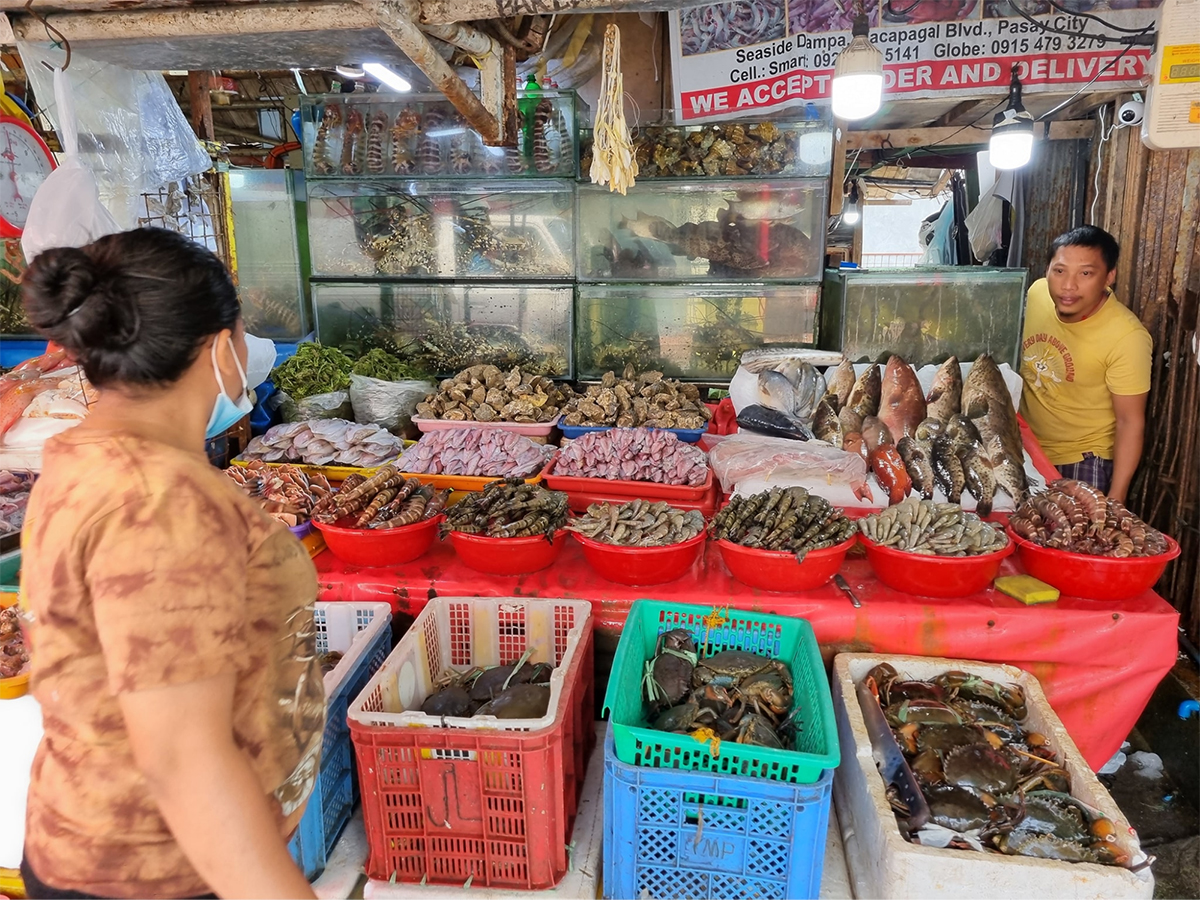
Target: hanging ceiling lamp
{"x":851,"y":211}
{"x":1011,"y":143}
{"x":386,"y":76}
{"x":857,"y":88}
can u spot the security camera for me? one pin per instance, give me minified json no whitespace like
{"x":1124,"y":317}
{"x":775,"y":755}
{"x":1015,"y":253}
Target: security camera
{"x":1131,"y":112}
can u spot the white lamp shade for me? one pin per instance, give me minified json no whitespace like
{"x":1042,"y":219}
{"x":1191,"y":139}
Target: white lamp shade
{"x":1010,"y":148}
{"x":856,"y":96}
{"x":857,"y":89}
{"x":851,"y":214}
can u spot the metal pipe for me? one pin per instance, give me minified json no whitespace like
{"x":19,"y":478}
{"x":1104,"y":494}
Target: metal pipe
{"x":247,"y":135}
{"x":391,"y":17}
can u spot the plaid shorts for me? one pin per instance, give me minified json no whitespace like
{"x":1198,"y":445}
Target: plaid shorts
{"x":1093,"y":469}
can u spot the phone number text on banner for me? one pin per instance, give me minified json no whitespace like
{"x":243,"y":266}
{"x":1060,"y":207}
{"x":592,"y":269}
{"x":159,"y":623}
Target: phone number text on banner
{"x":720,"y":75}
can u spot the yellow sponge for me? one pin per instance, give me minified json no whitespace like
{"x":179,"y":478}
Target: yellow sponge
{"x":1027,"y":589}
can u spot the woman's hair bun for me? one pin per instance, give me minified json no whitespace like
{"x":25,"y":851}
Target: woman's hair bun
{"x":132,"y":307}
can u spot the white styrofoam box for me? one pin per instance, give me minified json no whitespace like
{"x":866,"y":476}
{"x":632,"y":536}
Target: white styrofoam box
{"x":348,"y":629}
{"x":461,"y":633}
{"x":883,"y":864}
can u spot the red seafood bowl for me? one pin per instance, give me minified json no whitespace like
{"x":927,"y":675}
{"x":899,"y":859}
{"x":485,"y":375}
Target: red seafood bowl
{"x":507,"y":556}
{"x":934,"y":576}
{"x":1093,"y":577}
{"x":642,"y":565}
{"x":380,"y":546}
{"x":775,"y":570}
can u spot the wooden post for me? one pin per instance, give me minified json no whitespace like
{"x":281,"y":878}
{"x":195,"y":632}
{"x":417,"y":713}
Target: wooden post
{"x":200,"y":98}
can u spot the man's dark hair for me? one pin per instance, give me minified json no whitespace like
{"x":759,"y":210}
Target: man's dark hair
{"x":1089,"y":236}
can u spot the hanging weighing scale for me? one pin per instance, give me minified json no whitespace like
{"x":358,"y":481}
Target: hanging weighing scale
{"x":25,"y":161}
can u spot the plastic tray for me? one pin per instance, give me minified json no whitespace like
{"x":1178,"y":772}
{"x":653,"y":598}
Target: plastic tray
{"x":11,"y":884}
{"x":507,"y":556}
{"x":642,"y":565}
{"x":483,"y":801}
{"x":671,"y":834}
{"x":645,"y":490}
{"x":883,"y":864}
{"x":361,"y":631}
{"x":539,"y":430}
{"x":468,"y":483}
{"x":1093,"y":577}
{"x":381,"y":547}
{"x":934,"y":576}
{"x":773,"y":570}
{"x":303,"y":530}
{"x":687,"y":435}
{"x":788,"y":639}
{"x":333,"y":474}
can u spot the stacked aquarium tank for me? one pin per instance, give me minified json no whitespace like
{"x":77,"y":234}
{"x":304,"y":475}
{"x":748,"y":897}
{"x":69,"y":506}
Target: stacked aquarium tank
{"x":718,"y":248}
{"x":427,"y":242}
{"x":925,"y":315}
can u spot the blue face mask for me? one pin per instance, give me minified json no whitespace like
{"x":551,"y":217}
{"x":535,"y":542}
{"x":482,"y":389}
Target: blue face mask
{"x":226,"y":413}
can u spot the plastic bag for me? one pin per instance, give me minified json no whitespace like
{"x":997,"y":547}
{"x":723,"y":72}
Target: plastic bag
{"x":388,"y":404}
{"x":66,"y":210}
{"x":334,"y":405}
{"x":134,"y":137}
{"x":985,"y":226}
{"x":742,"y":458}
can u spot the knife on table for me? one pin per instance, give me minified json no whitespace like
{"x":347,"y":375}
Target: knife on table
{"x":845,"y":589}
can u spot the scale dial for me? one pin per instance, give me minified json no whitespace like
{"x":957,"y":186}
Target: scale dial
{"x":25,"y":161}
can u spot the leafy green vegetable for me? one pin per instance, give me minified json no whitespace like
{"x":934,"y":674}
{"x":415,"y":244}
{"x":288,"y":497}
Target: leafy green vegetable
{"x":313,"y":370}
{"x":386,"y":367}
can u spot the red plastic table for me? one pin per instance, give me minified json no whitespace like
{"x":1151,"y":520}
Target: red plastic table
{"x":1098,"y":662}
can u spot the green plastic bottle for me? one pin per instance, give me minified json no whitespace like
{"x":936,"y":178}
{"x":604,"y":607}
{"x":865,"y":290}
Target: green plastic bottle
{"x":527,"y":106}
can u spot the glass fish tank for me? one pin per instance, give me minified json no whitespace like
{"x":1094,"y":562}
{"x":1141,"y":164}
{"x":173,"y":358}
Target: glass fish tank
{"x":742,"y":149}
{"x":697,"y":229}
{"x":449,"y":327}
{"x":482,"y":229}
{"x":924,"y":315}
{"x":271,"y":284}
{"x":424,"y":136}
{"x":695,"y":332}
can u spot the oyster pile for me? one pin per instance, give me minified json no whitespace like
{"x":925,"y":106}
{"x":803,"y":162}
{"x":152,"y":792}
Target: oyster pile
{"x":722,"y":149}
{"x":485,"y":393}
{"x":633,"y":454}
{"x":638,"y":524}
{"x":636,"y":400}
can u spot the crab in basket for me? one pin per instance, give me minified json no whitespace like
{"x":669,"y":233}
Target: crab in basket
{"x":732,"y":695}
{"x":983,"y":781}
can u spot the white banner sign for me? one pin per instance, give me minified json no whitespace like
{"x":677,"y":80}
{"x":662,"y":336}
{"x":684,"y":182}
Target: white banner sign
{"x":751,"y":57}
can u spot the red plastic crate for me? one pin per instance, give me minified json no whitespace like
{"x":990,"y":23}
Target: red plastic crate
{"x":497,"y":807}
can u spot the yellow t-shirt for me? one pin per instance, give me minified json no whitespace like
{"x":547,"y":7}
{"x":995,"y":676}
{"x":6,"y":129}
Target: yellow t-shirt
{"x":1071,"y":371}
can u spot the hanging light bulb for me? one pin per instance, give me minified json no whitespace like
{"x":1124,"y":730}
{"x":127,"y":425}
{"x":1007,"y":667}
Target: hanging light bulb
{"x":851,"y":211}
{"x":351,"y":72}
{"x":1011,"y":143}
{"x":857,"y":88}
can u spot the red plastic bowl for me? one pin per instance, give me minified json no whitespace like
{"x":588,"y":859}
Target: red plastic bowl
{"x":507,"y":556}
{"x":934,"y":576}
{"x":775,"y":570}
{"x":380,"y":547}
{"x":1093,"y":577}
{"x":642,"y":565}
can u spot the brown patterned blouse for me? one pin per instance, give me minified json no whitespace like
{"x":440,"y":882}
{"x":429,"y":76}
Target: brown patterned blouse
{"x":143,"y":567}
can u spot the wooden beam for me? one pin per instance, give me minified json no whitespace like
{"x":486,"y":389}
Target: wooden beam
{"x":200,"y":99}
{"x":961,"y":113}
{"x":901,"y":138}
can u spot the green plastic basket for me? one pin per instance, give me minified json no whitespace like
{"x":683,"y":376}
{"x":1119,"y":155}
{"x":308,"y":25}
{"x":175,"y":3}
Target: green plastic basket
{"x":10,"y":571}
{"x":787,"y":639}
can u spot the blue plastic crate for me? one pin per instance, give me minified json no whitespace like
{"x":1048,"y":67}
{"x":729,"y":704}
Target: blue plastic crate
{"x":677,"y":834}
{"x":336,"y":790}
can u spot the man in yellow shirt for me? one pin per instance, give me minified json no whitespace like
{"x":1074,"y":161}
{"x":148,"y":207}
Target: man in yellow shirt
{"x":1085,"y":360}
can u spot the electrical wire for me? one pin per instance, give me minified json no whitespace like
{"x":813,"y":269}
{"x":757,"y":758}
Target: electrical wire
{"x":1131,"y":39}
{"x":1087,"y":15}
{"x":1099,"y":160}
{"x":1112,"y":62}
